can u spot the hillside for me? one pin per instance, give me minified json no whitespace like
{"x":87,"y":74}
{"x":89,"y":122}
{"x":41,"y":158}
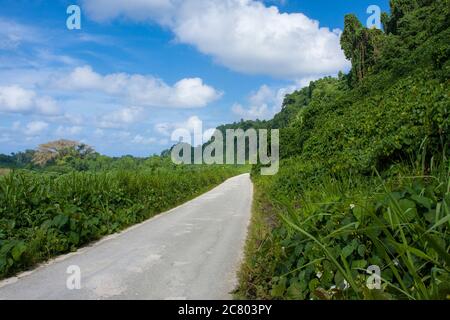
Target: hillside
{"x":364,"y":175}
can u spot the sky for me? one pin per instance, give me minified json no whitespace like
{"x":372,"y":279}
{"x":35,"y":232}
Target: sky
{"x":137,"y":70}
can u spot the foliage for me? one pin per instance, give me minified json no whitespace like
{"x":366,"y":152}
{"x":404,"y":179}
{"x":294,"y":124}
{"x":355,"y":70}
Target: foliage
{"x":17,"y":160}
{"x":364,"y":175}
{"x":324,"y":239}
{"x":361,"y":46}
{"x":61,"y":150}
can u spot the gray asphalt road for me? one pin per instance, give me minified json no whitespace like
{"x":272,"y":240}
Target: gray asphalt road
{"x":190,"y":252}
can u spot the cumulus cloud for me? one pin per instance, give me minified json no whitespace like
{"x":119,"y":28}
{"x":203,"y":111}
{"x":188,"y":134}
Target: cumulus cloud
{"x":244,"y":35}
{"x":15,"y":99}
{"x":13,"y":34}
{"x":138,"y":139}
{"x":193,"y":127}
{"x":121,"y":118}
{"x":191,"y":124}
{"x":263,"y":104}
{"x":35,"y":128}
{"x":63,"y":131}
{"x":141,"y":90}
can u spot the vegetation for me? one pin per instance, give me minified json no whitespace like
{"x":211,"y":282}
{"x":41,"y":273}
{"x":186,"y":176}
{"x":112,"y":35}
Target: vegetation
{"x":364,"y":176}
{"x":61,"y":150}
{"x":16,"y":160}
{"x":67,"y":195}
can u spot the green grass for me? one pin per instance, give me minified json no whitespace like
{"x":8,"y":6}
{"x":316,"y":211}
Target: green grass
{"x":46,"y":214}
{"x":322,"y":242}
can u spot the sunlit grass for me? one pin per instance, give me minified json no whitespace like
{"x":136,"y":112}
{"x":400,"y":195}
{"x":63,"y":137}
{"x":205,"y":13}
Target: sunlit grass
{"x":4,"y":171}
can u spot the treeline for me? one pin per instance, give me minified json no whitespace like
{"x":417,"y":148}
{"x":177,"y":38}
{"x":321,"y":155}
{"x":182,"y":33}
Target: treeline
{"x":63,"y":156}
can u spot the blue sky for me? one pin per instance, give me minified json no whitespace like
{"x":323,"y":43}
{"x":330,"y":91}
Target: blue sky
{"x":139,"y":69}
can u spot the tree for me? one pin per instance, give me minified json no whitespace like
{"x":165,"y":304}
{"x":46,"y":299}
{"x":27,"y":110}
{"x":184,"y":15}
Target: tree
{"x":399,"y":8}
{"x":59,"y":150}
{"x":361,"y":46}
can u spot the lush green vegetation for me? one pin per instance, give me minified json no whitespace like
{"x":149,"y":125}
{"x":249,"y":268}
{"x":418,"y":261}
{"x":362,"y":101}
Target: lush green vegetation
{"x":364,"y":175}
{"x":72,"y":197}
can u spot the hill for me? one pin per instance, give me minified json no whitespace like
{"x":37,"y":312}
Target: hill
{"x":364,"y":174}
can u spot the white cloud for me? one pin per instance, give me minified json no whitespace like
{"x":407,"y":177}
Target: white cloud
{"x":163,"y":128}
{"x":15,"y":99}
{"x":62,"y":131}
{"x":138,"y":139}
{"x":99,"y":132}
{"x":244,"y":35}
{"x":252,"y":112}
{"x":141,"y":90}
{"x":121,"y":118}
{"x":193,"y":126}
{"x":35,"y":128}
{"x":263,"y":104}
{"x":13,"y":34}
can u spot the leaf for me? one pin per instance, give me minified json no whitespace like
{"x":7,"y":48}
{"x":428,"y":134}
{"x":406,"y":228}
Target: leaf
{"x":408,"y":208}
{"x":362,"y":250}
{"x":322,"y":294}
{"x":348,"y":250}
{"x":359,"y":264}
{"x":60,"y":220}
{"x":18,"y":250}
{"x":2,"y":264}
{"x":74,"y":237}
{"x":425,"y":202}
{"x":313,"y":284}
{"x":375,"y":294}
{"x":279,"y":289}
{"x":295,"y":291}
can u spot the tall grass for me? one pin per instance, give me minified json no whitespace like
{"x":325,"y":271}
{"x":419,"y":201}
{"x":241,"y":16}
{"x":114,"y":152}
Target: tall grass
{"x":338,"y":226}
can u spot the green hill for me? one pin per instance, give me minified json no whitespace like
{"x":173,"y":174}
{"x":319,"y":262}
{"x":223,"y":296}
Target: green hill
{"x":364,"y":174}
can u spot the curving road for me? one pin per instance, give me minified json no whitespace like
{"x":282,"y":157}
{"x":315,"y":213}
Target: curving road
{"x":190,"y":252}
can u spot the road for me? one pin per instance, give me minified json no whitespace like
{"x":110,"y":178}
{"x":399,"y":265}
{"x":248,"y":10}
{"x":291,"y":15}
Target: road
{"x":190,"y":252}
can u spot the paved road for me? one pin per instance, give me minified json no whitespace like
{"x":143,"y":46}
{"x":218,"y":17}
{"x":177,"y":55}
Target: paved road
{"x":190,"y":252}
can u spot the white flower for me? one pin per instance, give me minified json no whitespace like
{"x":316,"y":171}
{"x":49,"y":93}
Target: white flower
{"x":346,"y":285}
{"x":352,"y":206}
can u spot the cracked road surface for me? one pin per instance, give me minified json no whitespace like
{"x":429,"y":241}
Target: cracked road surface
{"x":190,"y":252}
